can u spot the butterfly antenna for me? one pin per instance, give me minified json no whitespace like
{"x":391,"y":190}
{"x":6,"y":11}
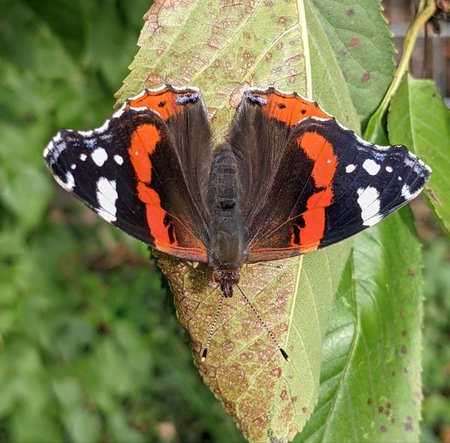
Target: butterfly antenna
{"x":212,"y":327}
{"x":282,"y":351}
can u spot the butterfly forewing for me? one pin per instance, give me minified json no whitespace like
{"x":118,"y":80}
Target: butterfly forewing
{"x":134,"y":172}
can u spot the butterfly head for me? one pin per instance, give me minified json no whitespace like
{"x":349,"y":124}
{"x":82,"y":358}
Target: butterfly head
{"x":226,"y":278}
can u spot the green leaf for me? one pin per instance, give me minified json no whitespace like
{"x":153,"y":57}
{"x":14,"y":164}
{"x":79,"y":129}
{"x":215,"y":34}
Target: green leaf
{"x":370,"y":382}
{"x":362,"y":45}
{"x":420,"y":120}
{"x":329,"y":85}
{"x":266,"y":43}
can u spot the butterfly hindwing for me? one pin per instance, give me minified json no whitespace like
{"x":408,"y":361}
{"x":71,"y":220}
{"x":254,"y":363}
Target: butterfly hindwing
{"x":134,"y":171}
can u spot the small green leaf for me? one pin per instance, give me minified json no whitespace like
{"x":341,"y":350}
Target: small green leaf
{"x":420,"y":120}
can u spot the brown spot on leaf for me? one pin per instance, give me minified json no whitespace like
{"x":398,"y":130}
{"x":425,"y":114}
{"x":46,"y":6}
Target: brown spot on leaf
{"x":260,"y":421}
{"x":365,"y":77}
{"x":282,"y":20}
{"x":388,"y":405}
{"x":228,"y":346}
{"x":161,"y":49}
{"x":355,"y":42}
{"x":350,"y":12}
{"x":154,"y":80}
{"x":393,"y":420}
{"x":236,"y":95}
{"x":304,"y":409}
{"x":283,"y":394}
{"x":404,"y":349}
{"x":383,"y":429}
{"x":276,"y":372}
{"x":369,"y":401}
{"x":213,"y":43}
{"x":411,"y":272}
{"x":343,"y":52}
{"x":402,"y":314}
{"x":380,"y":409}
{"x":434,"y":197}
{"x":408,"y":427}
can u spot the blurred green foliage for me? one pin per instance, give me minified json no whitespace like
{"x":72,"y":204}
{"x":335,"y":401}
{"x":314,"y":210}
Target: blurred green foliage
{"x":436,"y":346}
{"x":90,"y":349}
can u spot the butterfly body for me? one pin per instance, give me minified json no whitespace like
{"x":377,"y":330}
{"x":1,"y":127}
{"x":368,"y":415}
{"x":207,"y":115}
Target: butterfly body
{"x":287,"y":180}
{"x":226,"y":250}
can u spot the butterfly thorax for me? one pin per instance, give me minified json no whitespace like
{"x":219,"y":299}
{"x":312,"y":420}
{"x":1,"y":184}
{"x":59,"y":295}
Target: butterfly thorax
{"x":226,"y":251}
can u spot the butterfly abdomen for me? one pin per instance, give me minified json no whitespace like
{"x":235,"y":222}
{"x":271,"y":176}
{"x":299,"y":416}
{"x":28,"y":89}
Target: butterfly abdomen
{"x":226,"y":250}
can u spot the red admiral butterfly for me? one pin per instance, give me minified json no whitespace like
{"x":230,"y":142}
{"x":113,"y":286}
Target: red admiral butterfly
{"x":289,"y":179}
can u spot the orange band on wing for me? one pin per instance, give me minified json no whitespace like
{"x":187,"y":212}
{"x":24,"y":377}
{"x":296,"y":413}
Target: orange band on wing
{"x":318,"y":149}
{"x":163,"y":102}
{"x":291,"y":108}
{"x":143,"y":144}
{"x":155,"y":215}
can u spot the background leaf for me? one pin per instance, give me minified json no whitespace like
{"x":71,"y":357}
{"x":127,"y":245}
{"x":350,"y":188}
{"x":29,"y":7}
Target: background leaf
{"x":363,"y":48}
{"x":370,"y":382}
{"x":428,"y":136}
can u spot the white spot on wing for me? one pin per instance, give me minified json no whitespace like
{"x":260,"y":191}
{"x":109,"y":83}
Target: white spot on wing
{"x":369,"y":203}
{"x":371,"y":166}
{"x":407,"y":194}
{"x":73,"y":166}
{"x":350,"y":168}
{"x":86,"y":133}
{"x":118,"y":159}
{"x":389,"y":169}
{"x":103,"y":128}
{"x":83,"y":157}
{"x":99,"y":156}
{"x":107,"y":197}
{"x":68,"y":184}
